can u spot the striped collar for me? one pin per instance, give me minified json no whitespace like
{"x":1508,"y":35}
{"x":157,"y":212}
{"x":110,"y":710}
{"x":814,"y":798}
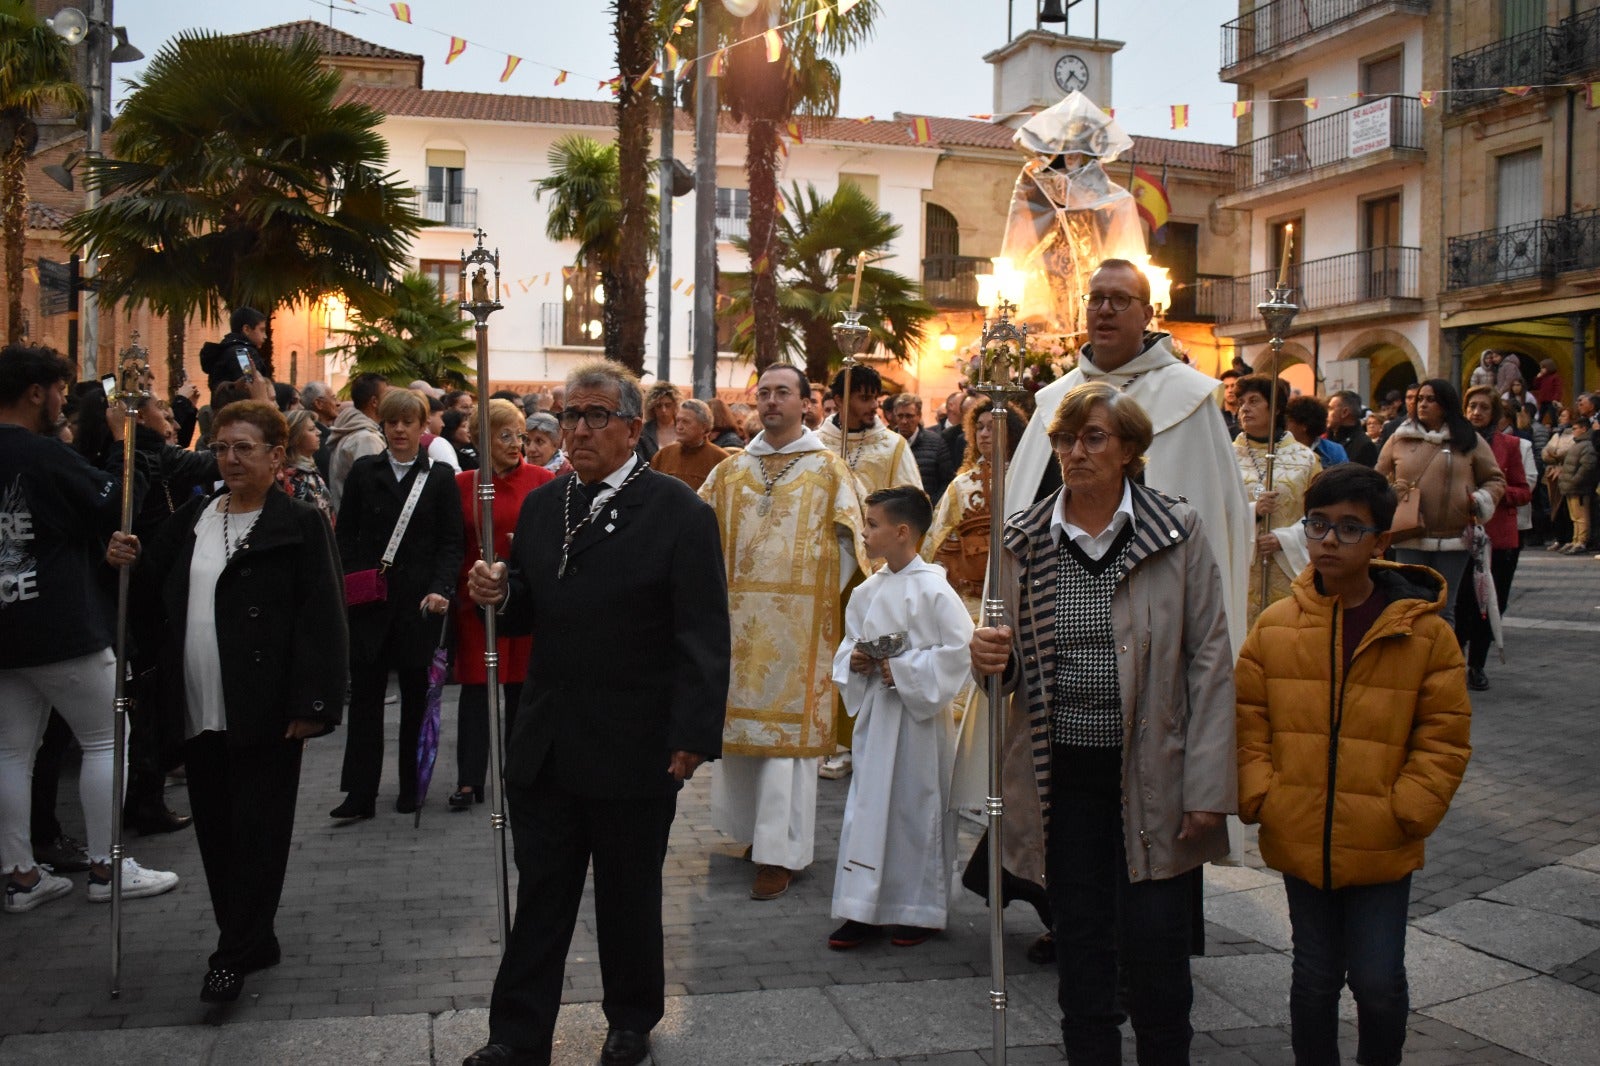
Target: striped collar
{"x":1155,"y":526}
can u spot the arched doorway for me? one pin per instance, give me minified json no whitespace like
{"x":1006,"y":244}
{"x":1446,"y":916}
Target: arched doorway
{"x":1392,"y":371}
{"x":1294,"y":368}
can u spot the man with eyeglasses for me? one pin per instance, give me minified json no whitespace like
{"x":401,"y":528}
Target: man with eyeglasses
{"x":1190,"y":457}
{"x":617,"y":573}
{"x":790,"y":518}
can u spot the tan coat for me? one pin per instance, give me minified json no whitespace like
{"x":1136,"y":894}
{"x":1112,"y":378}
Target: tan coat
{"x":1456,"y":488}
{"x":1175,"y":674}
{"x":1393,"y":732}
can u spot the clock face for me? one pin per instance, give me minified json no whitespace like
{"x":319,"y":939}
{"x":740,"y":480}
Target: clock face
{"x":1072,"y":74}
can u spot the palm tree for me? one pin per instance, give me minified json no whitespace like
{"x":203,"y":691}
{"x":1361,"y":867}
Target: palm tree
{"x":805,"y":82}
{"x":35,"y":72}
{"x":820,"y":240}
{"x":586,"y":206}
{"x":637,"y":42}
{"x":422,"y":336}
{"x":239,"y":180}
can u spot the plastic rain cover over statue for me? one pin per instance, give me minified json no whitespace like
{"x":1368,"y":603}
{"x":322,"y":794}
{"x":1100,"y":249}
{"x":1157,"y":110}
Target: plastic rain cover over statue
{"x":1066,"y":215}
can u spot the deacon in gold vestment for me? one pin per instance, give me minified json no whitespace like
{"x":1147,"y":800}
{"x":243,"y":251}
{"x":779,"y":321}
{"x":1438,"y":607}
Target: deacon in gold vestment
{"x":790,"y":522}
{"x":879,"y":458}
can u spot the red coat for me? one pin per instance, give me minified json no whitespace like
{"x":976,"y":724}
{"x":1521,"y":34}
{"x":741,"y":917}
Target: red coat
{"x":1502,"y":526}
{"x":509,"y":492}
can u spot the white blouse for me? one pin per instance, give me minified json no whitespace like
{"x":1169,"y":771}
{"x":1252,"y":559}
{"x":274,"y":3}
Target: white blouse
{"x":202,"y":660}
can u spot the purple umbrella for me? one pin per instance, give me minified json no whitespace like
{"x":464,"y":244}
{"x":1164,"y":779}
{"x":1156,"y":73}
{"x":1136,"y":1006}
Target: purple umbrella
{"x":428,"y":735}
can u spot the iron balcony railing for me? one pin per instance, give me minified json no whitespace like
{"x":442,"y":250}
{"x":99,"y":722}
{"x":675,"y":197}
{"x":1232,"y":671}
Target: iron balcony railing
{"x":1283,"y":22}
{"x":1580,"y":44}
{"x":1370,"y":126}
{"x":1193,"y":301}
{"x":729,"y":227}
{"x":1529,"y":58}
{"x":1389,"y":272}
{"x":1542,"y":248}
{"x":952,"y":280}
{"x":459,"y":211}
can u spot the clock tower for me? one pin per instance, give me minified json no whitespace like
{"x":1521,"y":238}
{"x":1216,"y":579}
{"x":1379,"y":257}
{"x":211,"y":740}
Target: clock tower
{"x":1035,"y":69}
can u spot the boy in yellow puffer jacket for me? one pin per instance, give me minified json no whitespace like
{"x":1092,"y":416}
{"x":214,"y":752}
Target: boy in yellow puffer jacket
{"x":1353,"y":727}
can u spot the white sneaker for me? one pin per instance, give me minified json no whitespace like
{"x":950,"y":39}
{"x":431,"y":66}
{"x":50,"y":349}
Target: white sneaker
{"x":47,"y":888}
{"x":836,"y":766}
{"x":137,"y":882}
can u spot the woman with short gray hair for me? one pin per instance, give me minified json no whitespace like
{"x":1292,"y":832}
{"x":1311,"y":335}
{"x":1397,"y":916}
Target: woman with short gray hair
{"x":543,"y":444}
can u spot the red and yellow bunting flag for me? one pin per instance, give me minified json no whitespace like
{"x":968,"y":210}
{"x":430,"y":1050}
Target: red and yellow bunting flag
{"x":1427,"y":97}
{"x":1519,"y":90}
{"x":717,"y":64}
{"x":681,"y":25}
{"x":688,"y":290}
{"x":846,"y":5}
{"x":614,"y":84}
{"x":920,"y":131}
{"x":1111,"y":112}
{"x":511,"y":66}
{"x":688,"y":9}
{"x":780,"y":204}
{"x":774,"y":45}
{"x":561,"y":77}
{"x":669,"y":57}
{"x":1594,"y":95}
{"x":792,"y":128}
{"x":1312,"y":103}
{"x":457,"y":46}
{"x":1241,"y":108}
{"x":864,"y":119}
{"x":644,"y":79}
{"x":1180,"y":116}
{"x":676,"y":282}
{"x":745,"y":324}
{"x":546,"y":277}
{"x":821,"y":18}
{"x":401,"y":12}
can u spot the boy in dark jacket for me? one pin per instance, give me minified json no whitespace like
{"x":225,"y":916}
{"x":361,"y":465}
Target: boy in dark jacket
{"x":1353,"y":727}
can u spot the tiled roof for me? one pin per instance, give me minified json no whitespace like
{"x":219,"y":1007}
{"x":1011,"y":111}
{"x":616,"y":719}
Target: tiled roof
{"x":43,"y":216}
{"x":329,"y":41}
{"x":558,"y":111}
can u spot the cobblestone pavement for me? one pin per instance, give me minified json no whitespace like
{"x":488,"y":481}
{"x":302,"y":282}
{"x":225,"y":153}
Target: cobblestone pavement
{"x":389,"y":932}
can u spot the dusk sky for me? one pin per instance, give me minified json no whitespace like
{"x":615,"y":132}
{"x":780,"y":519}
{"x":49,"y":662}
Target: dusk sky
{"x":926,"y":57}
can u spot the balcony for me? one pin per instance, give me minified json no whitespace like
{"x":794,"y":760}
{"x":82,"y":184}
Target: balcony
{"x":1543,"y":56}
{"x":1373,"y":283}
{"x":1371,"y":134}
{"x":1194,"y":302}
{"x":731,"y":228}
{"x":1532,"y":251}
{"x":952,"y":280}
{"x":459,"y":213}
{"x":1261,"y":37}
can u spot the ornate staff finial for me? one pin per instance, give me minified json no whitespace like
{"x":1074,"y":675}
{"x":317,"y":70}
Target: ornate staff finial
{"x":134,"y":377}
{"x":485,"y":301}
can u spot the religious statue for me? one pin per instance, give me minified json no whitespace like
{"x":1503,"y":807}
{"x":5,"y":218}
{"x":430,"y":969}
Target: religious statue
{"x":480,"y":286}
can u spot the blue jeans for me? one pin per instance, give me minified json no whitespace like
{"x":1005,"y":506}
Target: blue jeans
{"x":1452,"y":566}
{"x":1356,"y":933}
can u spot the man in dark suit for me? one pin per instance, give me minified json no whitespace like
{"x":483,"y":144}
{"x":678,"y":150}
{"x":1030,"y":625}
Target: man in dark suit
{"x":617,"y":572}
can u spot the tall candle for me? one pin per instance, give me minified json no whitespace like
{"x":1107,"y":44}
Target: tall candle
{"x":855,"y":293}
{"x":1288,"y":246}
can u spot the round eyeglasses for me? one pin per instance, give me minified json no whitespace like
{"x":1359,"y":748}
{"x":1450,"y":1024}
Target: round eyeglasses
{"x":1318,"y":528}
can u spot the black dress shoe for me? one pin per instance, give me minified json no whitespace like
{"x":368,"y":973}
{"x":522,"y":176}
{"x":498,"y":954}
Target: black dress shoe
{"x":1043,"y":950}
{"x":148,"y":821}
{"x":405,"y":805}
{"x":221,"y":986}
{"x":1477,"y":680}
{"x":354,"y":807}
{"x":624,"y":1047}
{"x":462,"y":799}
{"x":504,"y":1055}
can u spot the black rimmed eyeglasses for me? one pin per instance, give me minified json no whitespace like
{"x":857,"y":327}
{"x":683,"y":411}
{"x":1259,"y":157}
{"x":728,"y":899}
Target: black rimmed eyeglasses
{"x":1318,"y":528}
{"x":593,"y":417}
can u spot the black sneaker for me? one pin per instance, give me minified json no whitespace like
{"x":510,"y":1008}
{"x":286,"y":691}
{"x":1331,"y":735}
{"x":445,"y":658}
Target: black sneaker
{"x":64,"y":855}
{"x":851,"y":934}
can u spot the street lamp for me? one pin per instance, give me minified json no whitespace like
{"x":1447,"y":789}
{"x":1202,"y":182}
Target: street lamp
{"x":107,"y":43}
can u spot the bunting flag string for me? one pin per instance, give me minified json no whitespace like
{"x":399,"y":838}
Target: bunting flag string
{"x":1241,"y":108}
{"x":560,"y":77}
{"x":774,"y":46}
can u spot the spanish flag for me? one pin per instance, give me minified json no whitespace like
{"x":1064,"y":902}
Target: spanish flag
{"x":1519,"y":90}
{"x":1241,"y":108}
{"x":457,"y":46}
{"x":1180,"y":116}
{"x":644,"y":79}
{"x":561,"y":77}
{"x":669,"y":55}
{"x":1150,"y":194}
{"x":1427,"y":96}
{"x":511,"y":66}
{"x":774,"y":45}
{"x":792,"y":128}
{"x":717,"y":64}
{"x":401,"y":12}
{"x":1312,"y":103}
{"x":920,"y":133}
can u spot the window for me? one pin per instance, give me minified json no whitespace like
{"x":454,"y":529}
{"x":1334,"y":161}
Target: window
{"x":1277,"y":234}
{"x":1380,"y":240}
{"x":1520,"y":16}
{"x":1181,"y":256}
{"x":943,"y":236}
{"x":582,"y":299}
{"x":446,"y":187}
{"x":867,"y":183}
{"x":1383,"y":75}
{"x":733,"y":213}
{"x":1519,"y":205}
{"x":445,"y":275}
{"x":1286,"y":153}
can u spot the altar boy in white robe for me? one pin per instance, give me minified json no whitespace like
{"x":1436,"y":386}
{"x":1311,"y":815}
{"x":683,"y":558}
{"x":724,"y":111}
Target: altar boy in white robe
{"x":901,"y":663}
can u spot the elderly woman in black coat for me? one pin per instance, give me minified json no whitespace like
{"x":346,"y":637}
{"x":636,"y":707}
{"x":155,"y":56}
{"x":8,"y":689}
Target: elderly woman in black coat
{"x":400,"y":631}
{"x":254,"y":663}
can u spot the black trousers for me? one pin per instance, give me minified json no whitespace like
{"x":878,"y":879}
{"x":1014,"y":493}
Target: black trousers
{"x":557,"y":834}
{"x":1122,"y":949}
{"x":243,"y":801}
{"x":363,"y":742}
{"x":1472,"y":631}
{"x":472,"y":730}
